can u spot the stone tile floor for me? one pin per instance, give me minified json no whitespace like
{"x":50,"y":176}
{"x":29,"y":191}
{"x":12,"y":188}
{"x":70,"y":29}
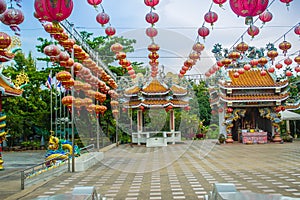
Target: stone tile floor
{"x":184,"y":171}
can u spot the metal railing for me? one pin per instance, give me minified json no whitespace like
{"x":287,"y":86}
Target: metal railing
{"x":45,"y":166}
{"x":69,"y":27}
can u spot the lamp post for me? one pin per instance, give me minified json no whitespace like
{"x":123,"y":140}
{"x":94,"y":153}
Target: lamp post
{"x":72,"y":110}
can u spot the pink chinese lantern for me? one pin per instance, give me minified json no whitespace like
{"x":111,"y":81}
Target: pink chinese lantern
{"x":278,"y":66}
{"x":211,"y":17}
{"x":254,"y":62}
{"x":288,"y":73}
{"x":287,"y":2}
{"x":151,"y":32}
{"x":284,"y":46}
{"x":94,"y":3}
{"x":63,"y":56}
{"x":248,"y":9}
{"x":266,"y":16}
{"x":207,"y":74}
{"x":203,"y":32}
{"x":241,"y":71}
{"x":253,"y":31}
{"x":12,"y":17}
{"x":152,"y":18}
{"x":53,"y":11}
{"x":271,"y":70}
{"x":3,"y":6}
{"x":288,"y":61}
{"x":102,"y":18}
{"x":297,"y":29}
{"x":219,"y":2}
{"x":151,"y":3}
{"x":110,"y":31}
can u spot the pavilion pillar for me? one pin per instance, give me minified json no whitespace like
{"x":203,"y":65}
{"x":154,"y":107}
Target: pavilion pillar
{"x":172,"y":125}
{"x":139,"y":125}
{"x":288,"y":129}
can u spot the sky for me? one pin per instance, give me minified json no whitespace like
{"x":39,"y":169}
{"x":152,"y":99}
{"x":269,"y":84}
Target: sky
{"x":178,"y":24}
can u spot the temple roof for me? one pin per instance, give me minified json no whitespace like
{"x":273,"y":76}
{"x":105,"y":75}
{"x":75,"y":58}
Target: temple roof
{"x":252,"y":79}
{"x":155,"y":87}
{"x":155,"y":103}
{"x":7,"y":88}
{"x":255,"y":97}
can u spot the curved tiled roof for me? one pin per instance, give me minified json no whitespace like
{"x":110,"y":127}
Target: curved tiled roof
{"x":8,"y":90}
{"x":155,"y":87}
{"x":256,"y":97}
{"x":177,"y":90}
{"x":156,"y":103}
{"x":132,"y":90}
{"x":252,"y":78}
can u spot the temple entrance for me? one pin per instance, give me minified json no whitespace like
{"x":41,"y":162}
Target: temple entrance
{"x":252,"y":122}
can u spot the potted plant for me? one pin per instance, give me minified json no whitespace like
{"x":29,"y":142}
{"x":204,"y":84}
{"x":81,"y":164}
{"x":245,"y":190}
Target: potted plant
{"x":221,"y":138}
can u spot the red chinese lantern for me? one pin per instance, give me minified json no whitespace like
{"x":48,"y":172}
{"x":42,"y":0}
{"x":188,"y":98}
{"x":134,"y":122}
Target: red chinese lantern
{"x":6,"y":56}
{"x":229,"y":110}
{"x":53,"y":11}
{"x":297,"y":29}
{"x":12,"y":17}
{"x":63,"y":56}
{"x":265,"y":16}
{"x":248,"y":9}
{"x":51,"y":29}
{"x":262,"y":61}
{"x":153,"y":47}
{"x":68,"y":83}
{"x":63,"y":76}
{"x":198,"y":47}
{"x":234,"y":55}
{"x":203,"y":32}
{"x":153,"y":56}
{"x":3,"y":6}
{"x":151,"y":3}
{"x":219,"y":63}
{"x":272,"y":54}
{"x":297,"y":69}
{"x":211,"y":17}
{"x":114,"y":103}
{"x":241,"y":71}
{"x":247,"y":67}
{"x":236,"y":74}
{"x":194,"y":56}
{"x":151,"y":32}
{"x":284,"y":46}
{"x":152,"y":18}
{"x":94,"y":3}
{"x":253,"y":31}
{"x":278,"y":66}
{"x":100,"y":97}
{"x":288,"y":73}
{"x":120,"y":55}
{"x":271,"y":69}
{"x":226,"y":62}
{"x":207,"y":74}
{"x":219,"y":2}
{"x":68,"y":101}
{"x":102,"y":18}
{"x":297,"y":59}
{"x":5,"y":40}
{"x":187,"y":108}
{"x":254,"y":62}
{"x":188,"y":63}
{"x":61,"y":36}
{"x":52,"y":51}
{"x":263,"y":73}
{"x":288,"y":61}
{"x":110,"y":31}
{"x":242,"y":47}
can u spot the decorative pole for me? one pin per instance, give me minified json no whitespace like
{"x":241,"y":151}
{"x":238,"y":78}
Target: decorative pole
{"x":72,"y":113}
{"x":2,"y":137}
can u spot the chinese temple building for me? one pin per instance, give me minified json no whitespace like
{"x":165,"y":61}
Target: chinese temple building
{"x":251,"y":101}
{"x":155,"y":94}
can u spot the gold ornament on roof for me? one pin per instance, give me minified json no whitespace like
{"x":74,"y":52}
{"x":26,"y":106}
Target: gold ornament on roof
{"x":21,"y":79}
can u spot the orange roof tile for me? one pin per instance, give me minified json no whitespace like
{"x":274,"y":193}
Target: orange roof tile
{"x":9,"y":90}
{"x":256,"y":97}
{"x":251,"y":78}
{"x":155,"y":87}
{"x":132,"y":90}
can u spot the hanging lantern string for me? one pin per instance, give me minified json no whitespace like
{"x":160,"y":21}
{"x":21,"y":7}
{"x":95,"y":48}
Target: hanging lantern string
{"x":283,"y":36}
{"x":246,"y":30}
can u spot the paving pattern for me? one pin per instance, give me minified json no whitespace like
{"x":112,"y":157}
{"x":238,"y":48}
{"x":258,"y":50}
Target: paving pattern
{"x":186,"y":171}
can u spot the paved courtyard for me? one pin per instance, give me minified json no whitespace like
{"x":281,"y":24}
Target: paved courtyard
{"x":183,"y":171}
